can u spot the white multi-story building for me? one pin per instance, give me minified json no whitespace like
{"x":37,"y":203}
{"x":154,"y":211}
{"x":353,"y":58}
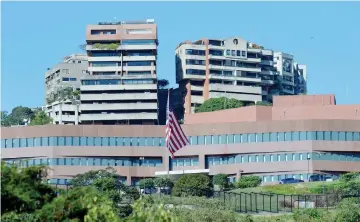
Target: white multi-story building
{"x":235,"y":68}
{"x":121,"y":87}
{"x":66,"y":73}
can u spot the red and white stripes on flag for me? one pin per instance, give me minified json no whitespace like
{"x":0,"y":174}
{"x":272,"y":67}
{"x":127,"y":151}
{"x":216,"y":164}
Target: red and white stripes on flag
{"x":174,"y":135}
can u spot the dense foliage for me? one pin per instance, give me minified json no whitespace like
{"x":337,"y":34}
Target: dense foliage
{"x":17,"y":116}
{"x":109,"y":183}
{"x":192,"y":185}
{"x":23,"y":189}
{"x":248,"y":181}
{"x":94,"y":196}
{"x":63,"y":93}
{"x":220,"y":103}
{"x":41,"y":118}
{"x":221,"y":180}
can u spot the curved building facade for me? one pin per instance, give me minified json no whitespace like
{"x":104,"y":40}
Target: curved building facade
{"x":272,"y":149}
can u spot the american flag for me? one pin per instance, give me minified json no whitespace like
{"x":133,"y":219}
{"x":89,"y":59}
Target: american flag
{"x":175,"y":138}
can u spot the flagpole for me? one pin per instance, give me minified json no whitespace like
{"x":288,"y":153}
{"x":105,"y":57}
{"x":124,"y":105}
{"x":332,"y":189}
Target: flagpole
{"x":167,"y":117}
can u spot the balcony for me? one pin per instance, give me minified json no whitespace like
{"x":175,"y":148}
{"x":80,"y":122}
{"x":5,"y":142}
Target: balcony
{"x":122,"y":96}
{"x":104,"y":68}
{"x":139,"y":58}
{"x":119,"y":106}
{"x":118,"y":87}
{"x":197,"y":88}
{"x":286,"y":82}
{"x":268,"y":72}
{"x":235,"y":88}
{"x":195,"y":77}
{"x":267,"y":62}
{"x":247,"y":69}
{"x":136,"y":47}
{"x":197,"y":99}
{"x":232,"y":78}
{"x":118,"y":116}
{"x":267,"y":52}
{"x":288,"y":74}
{"x":267,"y":82}
{"x":105,"y":59}
{"x":139,"y":68}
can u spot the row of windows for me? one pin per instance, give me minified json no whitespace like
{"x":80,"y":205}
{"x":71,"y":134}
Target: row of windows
{"x":104,"y":32}
{"x":139,"y":42}
{"x":132,"y":161}
{"x":260,"y":158}
{"x":65,"y":79}
{"x":235,"y":53}
{"x":139,"y":63}
{"x":194,"y":52}
{"x":101,"y":82}
{"x":139,"y":73}
{"x":187,"y":161}
{"x":195,"y":71}
{"x":194,"y":140}
{"x":116,"y":81}
{"x":195,"y":62}
{"x":138,"y":81}
{"x":112,"y":162}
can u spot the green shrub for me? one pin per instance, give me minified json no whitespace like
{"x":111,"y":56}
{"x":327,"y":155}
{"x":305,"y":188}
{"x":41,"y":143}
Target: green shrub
{"x":221,"y":180}
{"x":248,"y":182}
{"x":193,"y":185}
{"x":308,"y":215}
{"x":348,"y":211}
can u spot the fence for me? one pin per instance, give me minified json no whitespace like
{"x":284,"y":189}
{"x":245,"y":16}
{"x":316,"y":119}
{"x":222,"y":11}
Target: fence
{"x":243,"y":202}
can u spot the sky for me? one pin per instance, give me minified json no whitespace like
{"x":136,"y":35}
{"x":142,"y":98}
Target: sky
{"x":323,"y":35}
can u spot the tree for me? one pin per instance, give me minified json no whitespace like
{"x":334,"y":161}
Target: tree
{"x":80,"y":204}
{"x":5,"y":118}
{"x":109,"y":183}
{"x":221,"y":180}
{"x":163,"y":182}
{"x":19,"y":114}
{"x":23,"y":189}
{"x":146,"y":210}
{"x":62,"y":94}
{"x":193,"y":185}
{"x":220,"y":103}
{"x":147,"y":183}
{"x":163,"y":83}
{"x":41,"y":118}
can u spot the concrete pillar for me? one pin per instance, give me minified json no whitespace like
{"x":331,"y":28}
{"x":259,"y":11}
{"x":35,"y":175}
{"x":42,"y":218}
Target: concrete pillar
{"x":53,"y":114}
{"x":77,"y":114}
{"x":60,"y":114}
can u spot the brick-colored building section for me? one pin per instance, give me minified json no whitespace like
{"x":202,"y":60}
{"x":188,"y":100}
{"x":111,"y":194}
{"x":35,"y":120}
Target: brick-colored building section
{"x":284,"y":108}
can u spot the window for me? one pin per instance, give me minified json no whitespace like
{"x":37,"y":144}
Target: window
{"x":195,"y":72}
{"x":238,"y":53}
{"x":228,"y":52}
{"x":194,"y":52}
{"x":243,"y":53}
{"x":139,"y":63}
{"x":138,"y":31}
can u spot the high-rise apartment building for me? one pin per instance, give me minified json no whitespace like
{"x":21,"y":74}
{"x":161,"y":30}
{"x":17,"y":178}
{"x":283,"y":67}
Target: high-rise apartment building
{"x":121,"y":87}
{"x":235,"y":68}
{"x":66,"y":73}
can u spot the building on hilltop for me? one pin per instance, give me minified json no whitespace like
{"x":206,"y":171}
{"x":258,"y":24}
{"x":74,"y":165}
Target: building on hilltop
{"x":235,"y":68}
{"x":121,"y":87}
{"x":297,"y":137}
